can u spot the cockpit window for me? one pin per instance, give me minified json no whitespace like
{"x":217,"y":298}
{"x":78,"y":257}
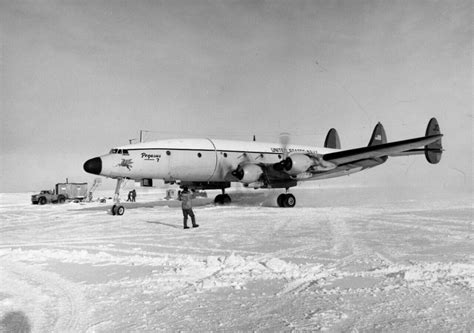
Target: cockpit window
{"x":119,"y":151}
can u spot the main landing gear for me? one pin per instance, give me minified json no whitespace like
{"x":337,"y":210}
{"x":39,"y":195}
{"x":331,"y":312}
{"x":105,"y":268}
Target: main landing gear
{"x":117,"y":208}
{"x":286,"y":200}
{"x":222,"y":199}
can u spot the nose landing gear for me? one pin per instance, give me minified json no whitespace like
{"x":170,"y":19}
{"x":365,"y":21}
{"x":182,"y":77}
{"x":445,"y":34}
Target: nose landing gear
{"x":117,"y":208}
{"x":286,"y":200}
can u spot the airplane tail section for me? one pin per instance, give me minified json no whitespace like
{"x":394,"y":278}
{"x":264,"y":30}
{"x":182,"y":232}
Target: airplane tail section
{"x":433,"y":151}
{"x":332,"y":140}
{"x":378,"y":136}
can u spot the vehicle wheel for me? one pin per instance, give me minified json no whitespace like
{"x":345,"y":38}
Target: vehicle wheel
{"x":42,"y":201}
{"x":113,"y":210}
{"x":290,"y":201}
{"x":120,"y":210}
{"x":281,"y":200}
{"x":61,"y":199}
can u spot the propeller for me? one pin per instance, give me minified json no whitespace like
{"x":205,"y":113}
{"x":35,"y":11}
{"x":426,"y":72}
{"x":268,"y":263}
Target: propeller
{"x":284,"y":139}
{"x":238,"y":173}
{"x":285,"y":163}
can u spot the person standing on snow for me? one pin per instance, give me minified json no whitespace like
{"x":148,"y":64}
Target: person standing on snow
{"x":186,"y":204}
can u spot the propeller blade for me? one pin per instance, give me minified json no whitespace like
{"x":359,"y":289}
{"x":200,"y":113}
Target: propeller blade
{"x":284,"y":139}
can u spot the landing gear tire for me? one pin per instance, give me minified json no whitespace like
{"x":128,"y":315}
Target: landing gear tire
{"x":280,"y":200}
{"x":227,"y":199}
{"x":117,"y":210}
{"x":290,"y":201}
{"x":61,"y":199}
{"x":286,"y":200}
{"x":120,"y":210}
{"x":222,"y":199}
{"x":42,"y":201}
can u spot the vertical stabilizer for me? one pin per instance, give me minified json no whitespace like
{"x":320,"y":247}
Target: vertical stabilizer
{"x":378,"y":136}
{"x":434,"y":150}
{"x":332,"y":140}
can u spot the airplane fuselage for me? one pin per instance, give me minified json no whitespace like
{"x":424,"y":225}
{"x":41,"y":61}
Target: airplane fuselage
{"x":195,"y":160}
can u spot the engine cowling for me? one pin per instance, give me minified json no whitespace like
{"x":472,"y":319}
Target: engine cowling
{"x":248,"y":173}
{"x":298,"y":163}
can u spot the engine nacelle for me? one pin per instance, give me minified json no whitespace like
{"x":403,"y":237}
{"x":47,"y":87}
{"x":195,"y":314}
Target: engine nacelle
{"x":248,"y":173}
{"x":298,"y":163}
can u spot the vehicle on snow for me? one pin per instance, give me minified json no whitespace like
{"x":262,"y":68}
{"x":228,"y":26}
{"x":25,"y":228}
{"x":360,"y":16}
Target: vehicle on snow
{"x":61,"y":193}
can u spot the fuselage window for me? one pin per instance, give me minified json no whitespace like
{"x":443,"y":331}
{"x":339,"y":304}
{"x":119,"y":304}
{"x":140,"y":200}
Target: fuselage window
{"x":168,"y":153}
{"x":119,"y":151}
{"x":199,"y":155}
{"x":113,"y":151}
{"x":225,"y":154}
{"x":125,"y":152}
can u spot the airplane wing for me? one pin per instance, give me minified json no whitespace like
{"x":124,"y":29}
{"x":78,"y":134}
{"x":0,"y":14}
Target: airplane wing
{"x":386,"y":149}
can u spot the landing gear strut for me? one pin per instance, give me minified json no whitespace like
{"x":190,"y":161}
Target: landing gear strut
{"x":286,"y":200}
{"x":117,"y":208}
{"x":222,"y":199}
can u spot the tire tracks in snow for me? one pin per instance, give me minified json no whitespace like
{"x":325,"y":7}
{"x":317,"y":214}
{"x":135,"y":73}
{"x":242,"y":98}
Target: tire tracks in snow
{"x":57,"y":300}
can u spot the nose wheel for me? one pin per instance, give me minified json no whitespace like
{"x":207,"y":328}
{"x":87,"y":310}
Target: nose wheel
{"x":286,"y":200}
{"x":117,"y":208}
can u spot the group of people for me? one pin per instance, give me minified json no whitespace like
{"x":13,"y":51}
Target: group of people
{"x":132,"y":195}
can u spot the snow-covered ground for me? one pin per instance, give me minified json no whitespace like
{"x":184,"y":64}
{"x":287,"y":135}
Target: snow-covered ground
{"x":356,"y":259}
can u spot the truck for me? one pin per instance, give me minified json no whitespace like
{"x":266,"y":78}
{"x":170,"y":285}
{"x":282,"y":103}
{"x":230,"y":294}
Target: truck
{"x":61,"y":193}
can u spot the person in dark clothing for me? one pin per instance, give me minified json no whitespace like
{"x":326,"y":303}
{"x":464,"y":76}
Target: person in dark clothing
{"x":129,"y":198}
{"x":134,"y":195}
{"x":186,"y":204}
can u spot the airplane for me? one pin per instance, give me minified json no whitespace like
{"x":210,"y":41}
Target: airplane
{"x":214,"y":164}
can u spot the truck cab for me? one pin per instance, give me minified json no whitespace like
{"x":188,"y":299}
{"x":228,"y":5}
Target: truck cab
{"x":47,"y":196}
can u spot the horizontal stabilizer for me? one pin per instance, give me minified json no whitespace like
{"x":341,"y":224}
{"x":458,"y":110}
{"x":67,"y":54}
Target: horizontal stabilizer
{"x":380,"y":150}
{"x":433,"y":150}
{"x":332,"y":140}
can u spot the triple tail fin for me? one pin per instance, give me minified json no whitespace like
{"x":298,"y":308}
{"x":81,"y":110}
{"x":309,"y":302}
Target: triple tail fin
{"x":378,"y":136}
{"x":332,"y":140}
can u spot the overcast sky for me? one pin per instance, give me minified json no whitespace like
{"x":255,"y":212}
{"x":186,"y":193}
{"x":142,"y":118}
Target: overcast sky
{"x":79,"y":77}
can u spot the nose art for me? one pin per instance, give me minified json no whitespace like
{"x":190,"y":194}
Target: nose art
{"x":94,"y":165}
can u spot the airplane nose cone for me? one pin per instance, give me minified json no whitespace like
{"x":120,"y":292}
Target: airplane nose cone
{"x":94,"y":165}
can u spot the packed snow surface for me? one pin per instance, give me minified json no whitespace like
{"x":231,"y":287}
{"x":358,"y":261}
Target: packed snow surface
{"x":342,"y":260}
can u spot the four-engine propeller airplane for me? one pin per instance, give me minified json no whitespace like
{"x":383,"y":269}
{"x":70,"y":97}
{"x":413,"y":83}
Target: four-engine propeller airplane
{"x":214,"y":164}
